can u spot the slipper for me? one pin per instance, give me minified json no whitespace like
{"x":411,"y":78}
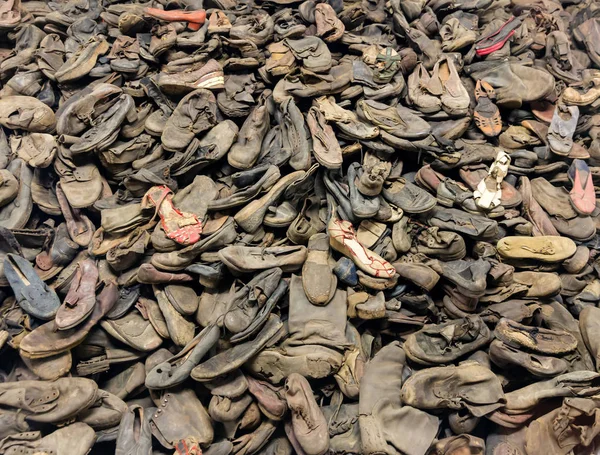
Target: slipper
{"x":183,"y":227}
{"x":562,"y":128}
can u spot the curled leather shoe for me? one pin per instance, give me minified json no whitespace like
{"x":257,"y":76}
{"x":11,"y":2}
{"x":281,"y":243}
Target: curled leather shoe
{"x":308,"y":422}
{"x":442,"y":343}
{"x":81,"y":298}
{"x":468,"y":385}
{"x":537,"y":339}
{"x":177,"y":369}
{"x":26,"y":113}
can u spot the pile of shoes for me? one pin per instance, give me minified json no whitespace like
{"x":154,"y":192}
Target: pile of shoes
{"x":299,"y":227}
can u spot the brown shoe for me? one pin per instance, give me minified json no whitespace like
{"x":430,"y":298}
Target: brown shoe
{"x":461,"y":444}
{"x":75,"y":439}
{"x":234,"y":357}
{"x":148,"y":274}
{"x":504,"y":355}
{"x":180,"y":330}
{"x":537,"y":339}
{"x":542,"y":225}
{"x":244,"y":153}
{"x":327,"y":149}
{"x":429,"y":346}
{"x":573,"y":384}
{"x":45,"y":341}
{"x":208,"y":76}
{"x":329,"y":27}
{"x":81,"y":298}
{"x":589,"y":321}
{"x":271,"y":399}
{"x":420,"y":274}
{"x":79,"y":226}
{"x":314,"y":361}
{"x":134,"y":432}
{"x":133,"y":330}
{"x":218,"y":22}
{"x":382,"y":380}
{"x":545,"y":434}
{"x":50,"y":402}
{"x":180,"y":415}
{"x":195,"y":113}
{"x":309,"y":425}
{"x":432,"y":388}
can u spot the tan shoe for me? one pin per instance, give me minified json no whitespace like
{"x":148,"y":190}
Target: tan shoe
{"x":26,"y":113}
{"x":82,"y":61}
{"x":573,"y":96}
{"x":218,"y":22}
{"x":536,"y":339}
{"x":547,"y":248}
{"x":208,"y":75}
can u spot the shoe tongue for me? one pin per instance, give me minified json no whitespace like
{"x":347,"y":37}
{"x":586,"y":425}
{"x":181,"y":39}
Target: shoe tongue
{"x":309,"y":76}
{"x":433,"y":84}
{"x":448,"y":333}
{"x":469,"y":331}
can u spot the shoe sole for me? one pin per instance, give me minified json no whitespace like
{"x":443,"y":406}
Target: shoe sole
{"x":279,"y":366}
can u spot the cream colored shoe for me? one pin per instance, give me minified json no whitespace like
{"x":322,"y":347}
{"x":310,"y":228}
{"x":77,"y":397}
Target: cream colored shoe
{"x":342,"y":238}
{"x":546,"y":248}
{"x":489,"y":191}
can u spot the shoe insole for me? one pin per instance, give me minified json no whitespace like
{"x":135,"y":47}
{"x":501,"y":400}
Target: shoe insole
{"x":444,"y":73}
{"x":19,"y":273}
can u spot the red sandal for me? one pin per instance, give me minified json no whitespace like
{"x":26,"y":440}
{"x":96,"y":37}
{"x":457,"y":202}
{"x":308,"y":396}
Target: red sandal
{"x":183,"y":227}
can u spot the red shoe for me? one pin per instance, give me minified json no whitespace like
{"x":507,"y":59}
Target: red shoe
{"x":195,"y":19}
{"x":583,"y":195}
{"x":494,"y":41}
